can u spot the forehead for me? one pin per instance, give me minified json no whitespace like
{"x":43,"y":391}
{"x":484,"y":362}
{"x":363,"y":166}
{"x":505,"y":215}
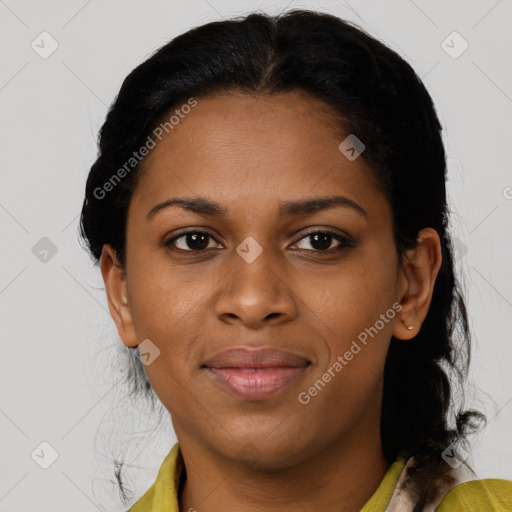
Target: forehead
{"x":251,"y":149}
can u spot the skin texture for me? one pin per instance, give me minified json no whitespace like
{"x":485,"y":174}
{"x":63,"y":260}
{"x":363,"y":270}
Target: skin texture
{"x":249,"y":153}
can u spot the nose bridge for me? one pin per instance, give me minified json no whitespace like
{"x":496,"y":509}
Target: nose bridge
{"x":256,"y":286}
{"x":255,"y":267}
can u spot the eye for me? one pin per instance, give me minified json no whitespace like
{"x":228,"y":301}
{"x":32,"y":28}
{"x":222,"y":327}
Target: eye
{"x":321,"y":241}
{"x":196,"y":241}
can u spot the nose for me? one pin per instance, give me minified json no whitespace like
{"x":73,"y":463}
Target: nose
{"x":255,"y":293}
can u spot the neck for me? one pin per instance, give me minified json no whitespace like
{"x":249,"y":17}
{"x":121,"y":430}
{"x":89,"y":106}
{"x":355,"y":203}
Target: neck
{"x":341,"y":477}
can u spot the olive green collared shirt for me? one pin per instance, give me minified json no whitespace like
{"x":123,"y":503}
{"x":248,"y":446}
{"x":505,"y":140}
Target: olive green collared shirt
{"x":488,"y":495}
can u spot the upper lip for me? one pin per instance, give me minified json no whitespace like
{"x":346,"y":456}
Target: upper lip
{"x":265,"y":357}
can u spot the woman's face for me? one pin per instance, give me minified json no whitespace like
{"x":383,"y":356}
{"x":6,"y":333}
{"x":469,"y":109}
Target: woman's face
{"x":260,"y":278}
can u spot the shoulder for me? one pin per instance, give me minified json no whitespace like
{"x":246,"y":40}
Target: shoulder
{"x":145,"y":503}
{"x":493,"y":495}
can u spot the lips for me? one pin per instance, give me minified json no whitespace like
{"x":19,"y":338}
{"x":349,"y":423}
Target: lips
{"x":256,"y":373}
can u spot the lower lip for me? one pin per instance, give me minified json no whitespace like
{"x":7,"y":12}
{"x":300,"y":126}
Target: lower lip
{"x":257,"y":383}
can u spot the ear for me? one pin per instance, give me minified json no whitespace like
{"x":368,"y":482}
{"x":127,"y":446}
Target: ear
{"x":416,"y":283}
{"x":114,"y":278}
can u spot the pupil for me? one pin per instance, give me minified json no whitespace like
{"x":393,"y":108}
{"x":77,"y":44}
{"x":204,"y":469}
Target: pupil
{"x":324,"y":238}
{"x":197,"y":241}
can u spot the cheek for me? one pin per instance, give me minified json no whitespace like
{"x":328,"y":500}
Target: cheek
{"x":349,"y":376}
{"x":352,"y":297}
{"x":161,"y":304}
{"x":354,"y":314}
{"x":168,"y":314}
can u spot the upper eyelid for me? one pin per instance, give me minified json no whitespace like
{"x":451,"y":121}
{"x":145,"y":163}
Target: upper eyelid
{"x":173,"y":239}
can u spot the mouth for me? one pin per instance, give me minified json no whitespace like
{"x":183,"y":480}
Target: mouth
{"x":256,"y":374}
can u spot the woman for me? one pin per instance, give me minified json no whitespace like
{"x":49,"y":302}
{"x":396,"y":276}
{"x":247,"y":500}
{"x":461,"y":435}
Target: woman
{"x":268,"y":209}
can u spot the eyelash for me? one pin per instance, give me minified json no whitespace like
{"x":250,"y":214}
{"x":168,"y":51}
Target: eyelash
{"x":344,"y":241}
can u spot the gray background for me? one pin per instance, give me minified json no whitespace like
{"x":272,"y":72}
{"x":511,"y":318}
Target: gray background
{"x":59,"y":345}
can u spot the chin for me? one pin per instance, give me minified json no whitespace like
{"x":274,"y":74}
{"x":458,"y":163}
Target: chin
{"x":259,"y":452}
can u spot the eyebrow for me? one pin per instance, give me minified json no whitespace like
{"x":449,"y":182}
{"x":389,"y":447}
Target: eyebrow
{"x":204,"y":206}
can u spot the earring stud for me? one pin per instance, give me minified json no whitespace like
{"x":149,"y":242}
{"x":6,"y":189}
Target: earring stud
{"x":409,"y":327}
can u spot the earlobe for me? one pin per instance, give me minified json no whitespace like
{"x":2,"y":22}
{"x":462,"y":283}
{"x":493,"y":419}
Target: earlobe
{"x":418,"y":276}
{"x":114,"y":278}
